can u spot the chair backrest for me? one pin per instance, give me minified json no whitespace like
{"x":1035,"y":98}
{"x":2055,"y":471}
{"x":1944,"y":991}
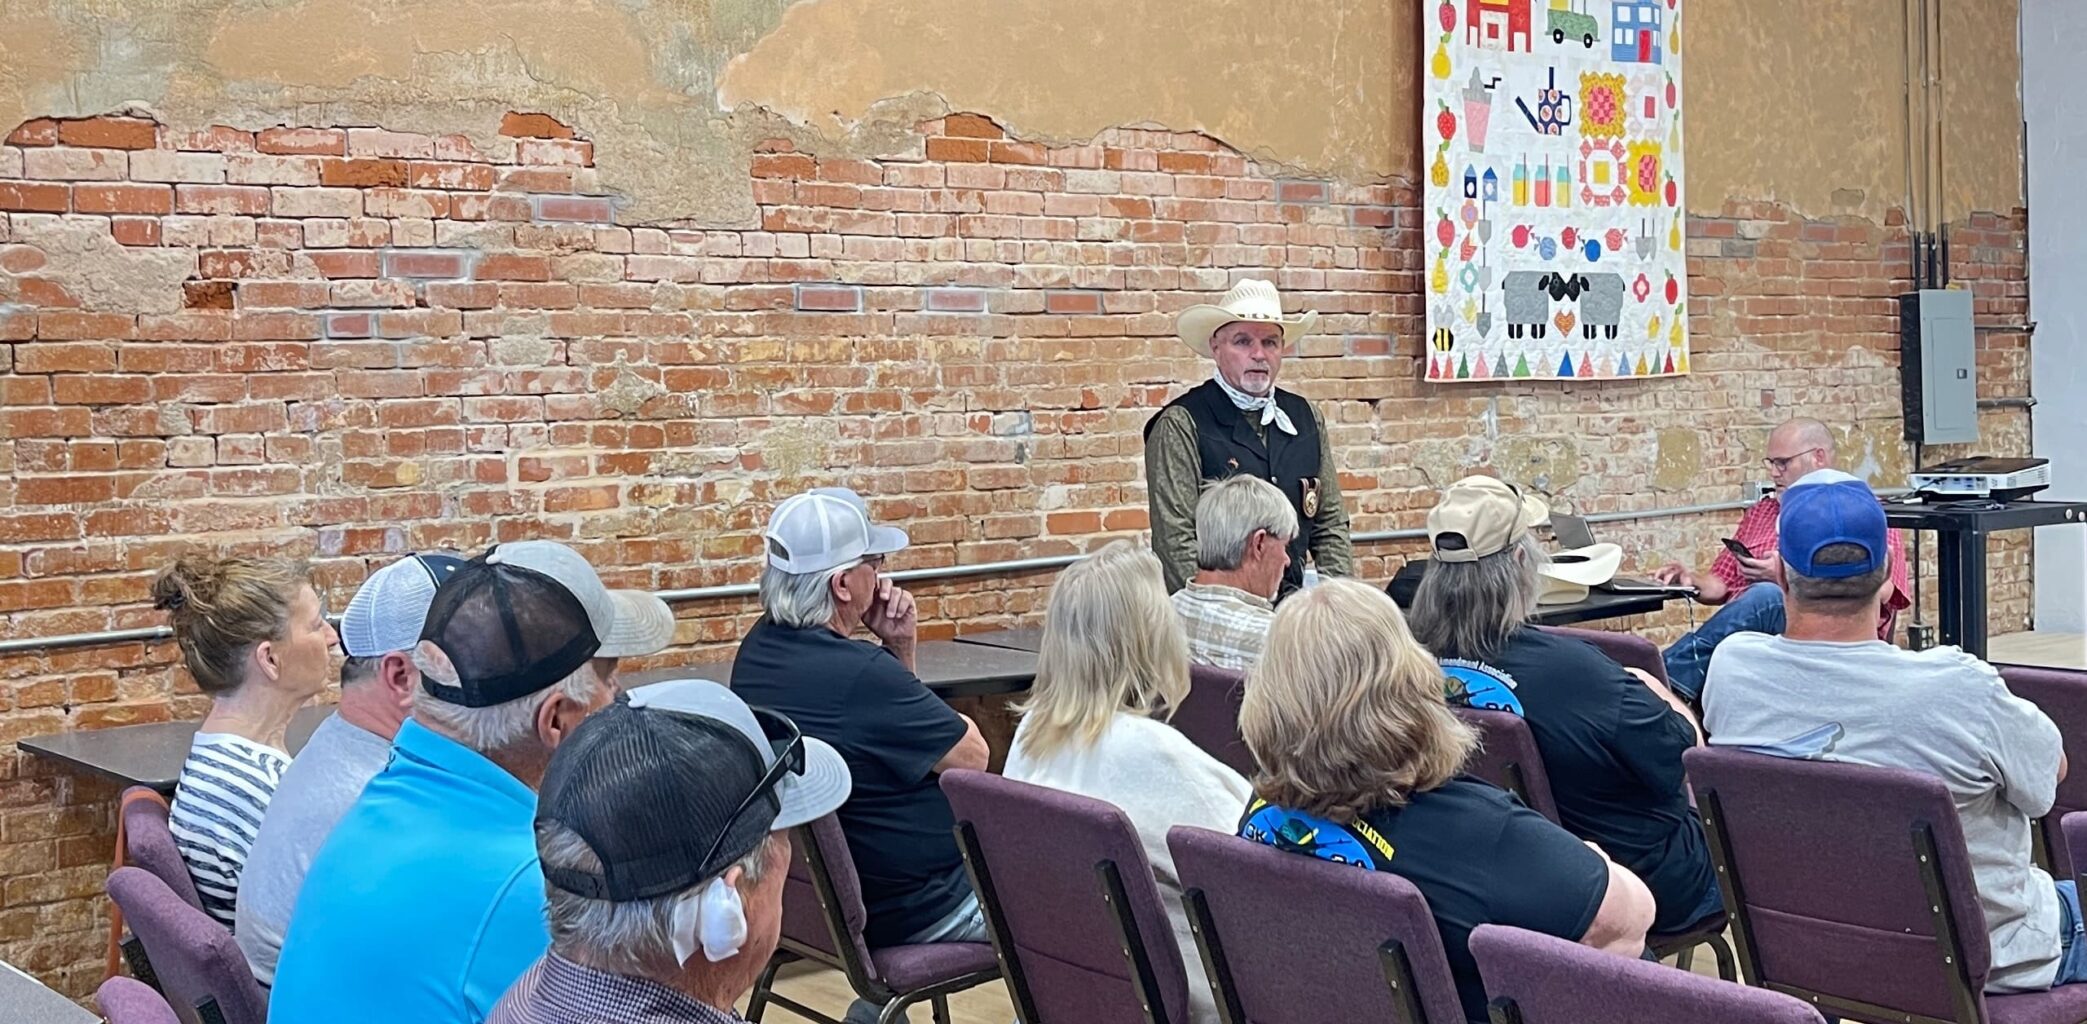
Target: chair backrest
{"x":1299,"y":940}
{"x":2072,"y":832}
{"x":1507,"y":757}
{"x":1533,"y":978}
{"x":1071,"y":903}
{"x":1209,"y":716}
{"x":822,"y":899}
{"x":130,"y":1001}
{"x":148,"y":843}
{"x":200,"y":968}
{"x":1896,"y":925}
{"x":1627,"y":649}
{"x":2062,"y":695}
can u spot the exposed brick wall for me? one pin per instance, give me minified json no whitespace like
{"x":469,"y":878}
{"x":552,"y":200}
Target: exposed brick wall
{"x":347,"y":343}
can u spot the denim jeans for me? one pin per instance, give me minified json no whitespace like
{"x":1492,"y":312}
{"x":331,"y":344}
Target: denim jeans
{"x":1757,"y":609}
{"x":966,"y":923}
{"x":2072,"y":950}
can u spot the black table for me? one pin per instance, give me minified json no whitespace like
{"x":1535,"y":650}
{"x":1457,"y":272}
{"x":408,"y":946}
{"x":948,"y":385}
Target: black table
{"x":948,"y":668}
{"x":1600,"y":604}
{"x":146,"y":755}
{"x":1960,"y":531}
{"x":1027,"y":639}
{"x":23,"y":998}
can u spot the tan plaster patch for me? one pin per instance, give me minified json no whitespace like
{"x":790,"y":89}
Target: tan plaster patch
{"x":1678,"y":463}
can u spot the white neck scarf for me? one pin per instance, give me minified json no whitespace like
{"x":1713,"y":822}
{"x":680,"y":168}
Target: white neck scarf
{"x":1265,"y":405}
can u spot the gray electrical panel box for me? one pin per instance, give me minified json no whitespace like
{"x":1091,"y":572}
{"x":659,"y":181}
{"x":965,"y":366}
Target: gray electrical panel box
{"x":1938,"y":357}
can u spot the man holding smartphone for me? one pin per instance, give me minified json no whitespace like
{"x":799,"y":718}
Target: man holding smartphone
{"x":1741,"y":581}
{"x":821,"y":583}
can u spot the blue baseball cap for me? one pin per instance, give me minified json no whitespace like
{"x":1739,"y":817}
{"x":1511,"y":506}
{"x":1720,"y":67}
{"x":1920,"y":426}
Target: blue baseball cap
{"x":1825,"y":508}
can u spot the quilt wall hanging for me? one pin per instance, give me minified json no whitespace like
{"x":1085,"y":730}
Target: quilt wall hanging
{"x":1551,"y":134}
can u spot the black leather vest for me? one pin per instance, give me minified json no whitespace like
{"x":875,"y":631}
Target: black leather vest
{"x":1226,"y":441}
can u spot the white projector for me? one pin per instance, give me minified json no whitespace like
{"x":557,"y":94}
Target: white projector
{"x":1983,"y":477}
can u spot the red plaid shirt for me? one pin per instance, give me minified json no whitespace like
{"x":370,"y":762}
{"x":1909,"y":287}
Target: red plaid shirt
{"x":1757,"y":531}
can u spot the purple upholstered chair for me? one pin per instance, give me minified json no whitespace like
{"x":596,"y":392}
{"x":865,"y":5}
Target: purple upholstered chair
{"x":128,"y":1001}
{"x":1070,"y":901}
{"x":144,"y":840}
{"x":823,"y":918}
{"x":1288,"y":939}
{"x":1537,"y":979}
{"x":1850,"y":887}
{"x":148,"y":843}
{"x":1627,"y":649}
{"x":2062,"y":695}
{"x":1507,"y":757}
{"x":200,"y":968}
{"x":1209,"y":717}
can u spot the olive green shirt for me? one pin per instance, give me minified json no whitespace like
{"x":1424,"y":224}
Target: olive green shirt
{"x":1174,"y":480}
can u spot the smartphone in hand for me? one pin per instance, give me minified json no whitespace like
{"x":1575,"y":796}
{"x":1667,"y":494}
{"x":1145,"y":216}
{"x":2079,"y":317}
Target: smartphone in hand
{"x":1737,"y":548}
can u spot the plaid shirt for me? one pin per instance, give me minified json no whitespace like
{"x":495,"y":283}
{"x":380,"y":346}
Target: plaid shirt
{"x":1757,"y":530}
{"x":558,"y":991}
{"x":1226,"y":626}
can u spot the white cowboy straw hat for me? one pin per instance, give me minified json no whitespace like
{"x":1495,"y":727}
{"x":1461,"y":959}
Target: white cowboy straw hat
{"x":1251,"y":300}
{"x":1571,"y":573}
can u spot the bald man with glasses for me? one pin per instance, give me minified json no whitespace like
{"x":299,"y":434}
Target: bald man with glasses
{"x":1743,"y":588}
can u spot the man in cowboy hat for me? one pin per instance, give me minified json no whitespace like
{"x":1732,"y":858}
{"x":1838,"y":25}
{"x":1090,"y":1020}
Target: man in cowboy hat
{"x":1240,"y":422}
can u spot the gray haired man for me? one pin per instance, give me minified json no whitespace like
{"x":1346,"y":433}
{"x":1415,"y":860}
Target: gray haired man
{"x":802,"y":660}
{"x":1244,"y":526}
{"x":662,"y":829}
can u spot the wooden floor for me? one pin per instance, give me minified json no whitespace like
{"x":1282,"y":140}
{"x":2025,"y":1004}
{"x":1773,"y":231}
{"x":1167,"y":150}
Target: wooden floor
{"x":827,"y":991}
{"x":2051,"y":650}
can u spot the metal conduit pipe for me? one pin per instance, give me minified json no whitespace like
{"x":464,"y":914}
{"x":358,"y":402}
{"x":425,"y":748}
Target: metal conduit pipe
{"x":150,"y":634}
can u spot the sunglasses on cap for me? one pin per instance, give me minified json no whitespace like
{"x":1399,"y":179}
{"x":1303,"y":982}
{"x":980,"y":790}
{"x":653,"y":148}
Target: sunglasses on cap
{"x":786,"y":743}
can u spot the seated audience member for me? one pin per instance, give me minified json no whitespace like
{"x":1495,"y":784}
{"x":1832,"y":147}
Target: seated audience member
{"x":430,"y":882}
{"x":1828,"y":688}
{"x":663,"y":833}
{"x":1243,"y":530}
{"x":1359,"y":756}
{"x":801,"y":660}
{"x":1745,"y":589}
{"x":1611,"y":737}
{"x":378,"y":631}
{"x":1112,"y":661}
{"x":254,"y":636}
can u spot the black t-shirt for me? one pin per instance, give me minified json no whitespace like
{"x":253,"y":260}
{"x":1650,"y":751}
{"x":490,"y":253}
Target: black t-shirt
{"x":1613,"y":751}
{"x":891,"y":730}
{"x":1477,"y":855}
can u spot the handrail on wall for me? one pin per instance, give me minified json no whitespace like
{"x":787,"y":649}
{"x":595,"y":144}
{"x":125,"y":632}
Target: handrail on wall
{"x":150,"y":634}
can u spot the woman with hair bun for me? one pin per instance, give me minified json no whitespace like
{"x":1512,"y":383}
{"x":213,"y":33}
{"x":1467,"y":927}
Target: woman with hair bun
{"x":254,"y":636}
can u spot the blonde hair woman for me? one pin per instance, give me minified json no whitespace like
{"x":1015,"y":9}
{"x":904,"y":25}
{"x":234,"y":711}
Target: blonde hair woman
{"x":255,"y":639}
{"x":1112,"y":664}
{"x":1359,"y":757}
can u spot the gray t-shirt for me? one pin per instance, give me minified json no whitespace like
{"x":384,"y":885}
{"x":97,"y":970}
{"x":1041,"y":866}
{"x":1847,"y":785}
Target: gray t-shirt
{"x":319,"y":787}
{"x":1939,"y":711}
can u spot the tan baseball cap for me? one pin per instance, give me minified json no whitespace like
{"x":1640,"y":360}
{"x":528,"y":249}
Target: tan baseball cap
{"x":1480,"y":516}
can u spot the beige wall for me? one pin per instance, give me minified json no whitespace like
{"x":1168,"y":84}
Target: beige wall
{"x":1799,"y":101}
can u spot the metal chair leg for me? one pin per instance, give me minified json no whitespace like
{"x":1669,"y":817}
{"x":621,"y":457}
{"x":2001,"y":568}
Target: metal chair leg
{"x":1686,"y":958}
{"x":894,"y":1011}
{"x":759,"y":1002}
{"x":941,"y":1010}
{"x":1727,"y":964}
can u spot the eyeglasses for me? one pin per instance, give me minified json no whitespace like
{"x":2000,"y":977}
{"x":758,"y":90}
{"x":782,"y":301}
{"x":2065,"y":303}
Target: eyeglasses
{"x":787,"y":744}
{"x":1779,"y":465}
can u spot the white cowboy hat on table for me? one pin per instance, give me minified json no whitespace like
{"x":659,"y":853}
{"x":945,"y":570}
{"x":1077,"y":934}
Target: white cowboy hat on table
{"x":1251,"y":300}
{"x":1571,"y":573}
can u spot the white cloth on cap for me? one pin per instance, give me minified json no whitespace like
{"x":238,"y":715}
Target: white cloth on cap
{"x":1265,"y":405}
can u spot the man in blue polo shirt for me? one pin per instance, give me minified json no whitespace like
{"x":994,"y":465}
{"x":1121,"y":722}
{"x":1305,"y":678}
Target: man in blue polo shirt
{"x":426,"y":902}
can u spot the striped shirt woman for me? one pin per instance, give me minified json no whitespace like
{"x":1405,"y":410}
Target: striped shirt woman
{"x":224,"y":789}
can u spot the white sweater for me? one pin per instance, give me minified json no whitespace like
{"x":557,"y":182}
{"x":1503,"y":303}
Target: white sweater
{"x":1160,"y":780}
